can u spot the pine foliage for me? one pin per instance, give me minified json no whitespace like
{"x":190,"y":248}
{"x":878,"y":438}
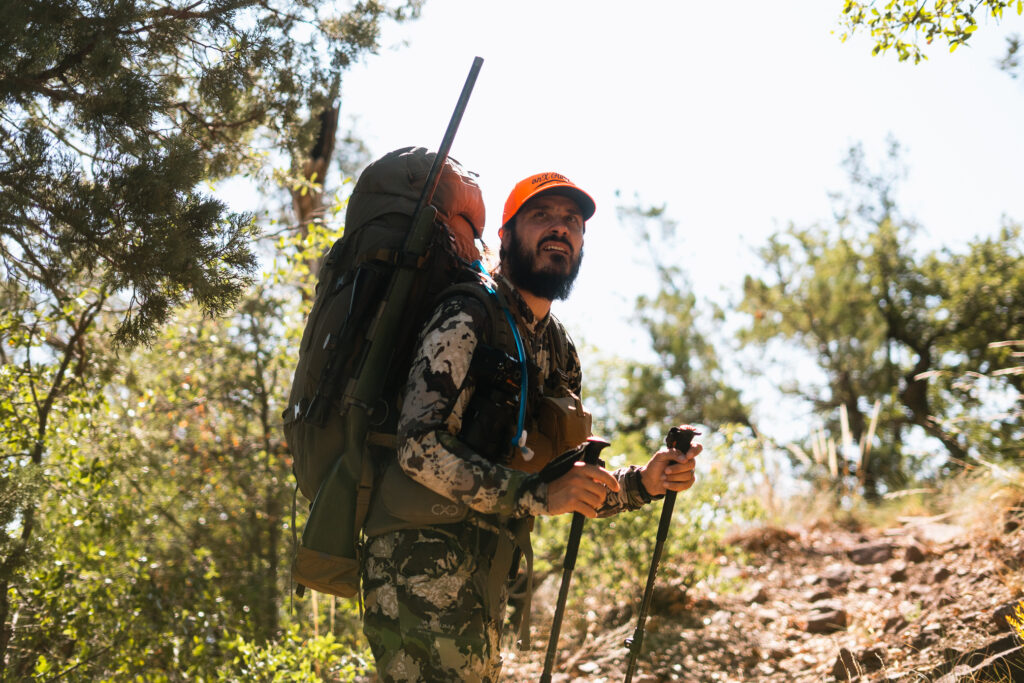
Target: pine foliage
{"x":113,"y":113}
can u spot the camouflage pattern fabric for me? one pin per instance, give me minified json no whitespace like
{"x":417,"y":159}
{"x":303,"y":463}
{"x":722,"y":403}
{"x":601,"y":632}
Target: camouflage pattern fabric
{"x":438,"y":391}
{"x":426,"y":617}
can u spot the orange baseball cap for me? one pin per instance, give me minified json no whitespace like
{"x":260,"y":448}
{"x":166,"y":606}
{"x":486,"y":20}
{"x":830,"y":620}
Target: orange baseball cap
{"x":546,"y":183}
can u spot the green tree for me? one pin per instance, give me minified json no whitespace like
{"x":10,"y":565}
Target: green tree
{"x":51,"y":378}
{"x":164,"y":546}
{"x":163,"y":537}
{"x":903,"y":25}
{"x":944,"y":312}
{"x":1011,"y":63}
{"x":112,"y":115}
{"x":687,"y":383}
{"x":881,"y":319}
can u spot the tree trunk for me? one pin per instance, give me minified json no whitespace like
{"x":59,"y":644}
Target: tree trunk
{"x":914,"y":397}
{"x":309,"y":205}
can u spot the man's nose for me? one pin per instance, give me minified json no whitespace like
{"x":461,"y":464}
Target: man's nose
{"x":559,"y":225}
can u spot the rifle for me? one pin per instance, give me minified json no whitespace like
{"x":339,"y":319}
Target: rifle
{"x":337,"y":516}
{"x":678,"y":438}
{"x":366,"y":392}
{"x":591,"y":453}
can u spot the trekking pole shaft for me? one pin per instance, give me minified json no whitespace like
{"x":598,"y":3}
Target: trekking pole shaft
{"x":637,"y":640}
{"x":591,"y":455}
{"x":680,"y":439}
{"x":571,"y":552}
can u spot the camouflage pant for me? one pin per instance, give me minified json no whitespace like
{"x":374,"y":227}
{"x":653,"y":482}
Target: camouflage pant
{"x":426,"y":616}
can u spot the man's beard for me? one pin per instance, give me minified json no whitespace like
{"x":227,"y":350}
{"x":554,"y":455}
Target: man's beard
{"x":521,"y":267}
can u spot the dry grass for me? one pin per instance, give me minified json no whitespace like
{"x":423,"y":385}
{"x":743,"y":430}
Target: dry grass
{"x":986,"y":499}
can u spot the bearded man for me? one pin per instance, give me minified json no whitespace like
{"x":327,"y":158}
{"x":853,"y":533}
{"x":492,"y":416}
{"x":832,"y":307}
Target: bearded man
{"x":492,"y":399}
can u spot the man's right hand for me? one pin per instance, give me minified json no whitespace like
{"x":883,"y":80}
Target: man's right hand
{"x":582,"y":489}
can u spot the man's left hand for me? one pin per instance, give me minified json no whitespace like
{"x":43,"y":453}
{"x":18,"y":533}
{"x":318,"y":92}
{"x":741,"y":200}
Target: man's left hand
{"x":670,"y":470}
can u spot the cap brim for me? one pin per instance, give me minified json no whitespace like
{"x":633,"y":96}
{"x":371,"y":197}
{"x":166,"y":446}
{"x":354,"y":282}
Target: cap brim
{"x":582,"y":199}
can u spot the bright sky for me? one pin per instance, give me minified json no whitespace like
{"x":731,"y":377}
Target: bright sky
{"x":736,"y":115}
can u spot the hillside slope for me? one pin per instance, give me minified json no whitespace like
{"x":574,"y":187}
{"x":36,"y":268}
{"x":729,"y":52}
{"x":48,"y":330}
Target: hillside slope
{"x":923,"y":600}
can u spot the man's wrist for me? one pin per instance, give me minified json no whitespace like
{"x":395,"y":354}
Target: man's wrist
{"x":646,"y":495}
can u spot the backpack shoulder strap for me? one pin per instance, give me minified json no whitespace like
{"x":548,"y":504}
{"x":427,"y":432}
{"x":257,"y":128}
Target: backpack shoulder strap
{"x":498,"y":333}
{"x":558,"y":342}
{"x":504,"y":334}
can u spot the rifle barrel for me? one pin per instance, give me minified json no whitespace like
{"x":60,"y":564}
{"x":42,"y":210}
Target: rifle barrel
{"x":434,"y":176}
{"x":417,"y":241}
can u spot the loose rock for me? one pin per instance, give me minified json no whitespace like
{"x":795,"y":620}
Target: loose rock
{"x":895,"y":624}
{"x":871,"y":553}
{"x":845,"y":668}
{"x":825,"y":621}
{"x":915,"y":553}
{"x":873,"y":658}
{"x":1000,"y":614}
{"x":836,"y":576}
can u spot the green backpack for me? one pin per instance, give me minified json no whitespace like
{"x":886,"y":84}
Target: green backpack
{"x":327,"y":440}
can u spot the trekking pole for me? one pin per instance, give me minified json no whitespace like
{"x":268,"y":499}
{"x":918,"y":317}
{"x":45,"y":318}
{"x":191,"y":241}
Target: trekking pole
{"x":678,"y":438}
{"x":592,"y":451}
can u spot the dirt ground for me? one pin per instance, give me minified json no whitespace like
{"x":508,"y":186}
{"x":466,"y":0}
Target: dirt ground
{"x":924,"y":600}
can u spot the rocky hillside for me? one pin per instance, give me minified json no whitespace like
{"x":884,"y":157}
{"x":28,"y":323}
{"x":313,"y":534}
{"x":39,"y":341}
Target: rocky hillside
{"x":923,"y":600}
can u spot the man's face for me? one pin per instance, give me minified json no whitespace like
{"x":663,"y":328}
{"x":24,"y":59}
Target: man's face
{"x":544,"y":251}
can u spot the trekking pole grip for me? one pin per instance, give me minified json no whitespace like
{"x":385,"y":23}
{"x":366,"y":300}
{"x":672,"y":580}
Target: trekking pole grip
{"x":680,"y":439}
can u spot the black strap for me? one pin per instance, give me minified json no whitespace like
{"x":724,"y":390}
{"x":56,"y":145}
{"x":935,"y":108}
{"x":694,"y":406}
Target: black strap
{"x":394,"y":258}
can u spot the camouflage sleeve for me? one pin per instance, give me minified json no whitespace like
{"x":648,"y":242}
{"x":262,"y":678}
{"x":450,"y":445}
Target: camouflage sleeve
{"x":435,"y":397}
{"x":631,"y":495}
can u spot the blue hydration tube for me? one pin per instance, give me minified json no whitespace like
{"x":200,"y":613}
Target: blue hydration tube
{"x":519,"y":348}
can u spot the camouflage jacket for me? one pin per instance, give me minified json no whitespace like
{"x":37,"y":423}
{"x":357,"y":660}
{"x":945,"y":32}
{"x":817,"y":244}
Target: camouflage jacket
{"x":435,"y":398}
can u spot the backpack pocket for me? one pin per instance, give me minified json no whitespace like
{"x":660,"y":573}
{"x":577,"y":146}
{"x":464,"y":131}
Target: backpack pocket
{"x":403,"y":503}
